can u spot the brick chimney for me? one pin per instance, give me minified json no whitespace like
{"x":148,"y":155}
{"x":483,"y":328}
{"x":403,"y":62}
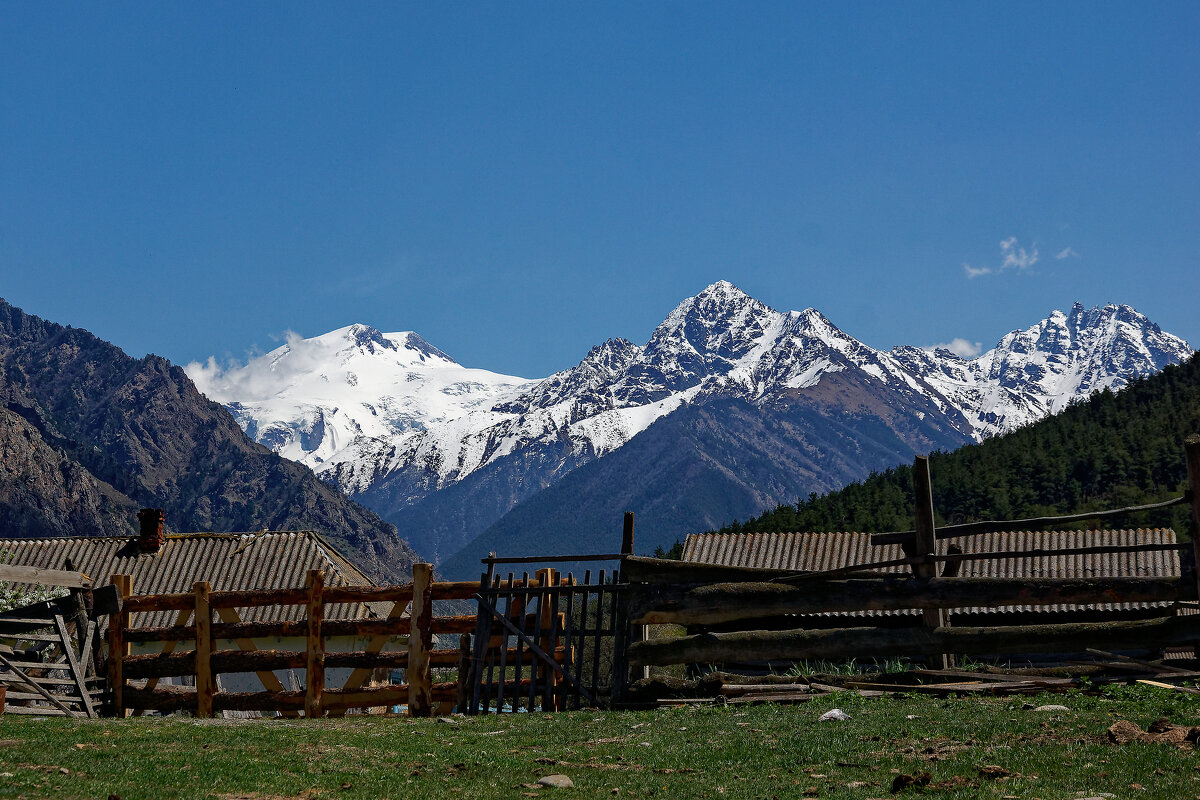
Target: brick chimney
{"x":150,"y":540}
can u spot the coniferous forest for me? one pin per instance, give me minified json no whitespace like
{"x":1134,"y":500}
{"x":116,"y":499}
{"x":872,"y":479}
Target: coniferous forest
{"x":1112,"y":450}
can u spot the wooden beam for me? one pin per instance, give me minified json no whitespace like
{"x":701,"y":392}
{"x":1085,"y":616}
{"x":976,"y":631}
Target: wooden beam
{"x":205,"y":685}
{"x":641,"y":569}
{"x":838,"y":643}
{"x":314,"y":669}
{"x":45,"y":577}
{"x":924,"y":545}
{"x":1191,"y":447}
{"x":420,"y":641}
{"x":729,"y":602}
{"x":76,"y":670}
{"x":627,"y":534}
{"x":118,"y":648}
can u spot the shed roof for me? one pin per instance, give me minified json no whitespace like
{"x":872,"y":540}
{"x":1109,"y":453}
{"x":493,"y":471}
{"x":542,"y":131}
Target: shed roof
{"x":228,"y":561}
{"x":815,"y":552}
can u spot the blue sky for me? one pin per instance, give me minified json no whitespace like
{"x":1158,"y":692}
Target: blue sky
{"x":518,"y":182}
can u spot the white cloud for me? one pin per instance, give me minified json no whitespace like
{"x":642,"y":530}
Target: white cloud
{"x":237,"y":381}
{"x":1012,"y":256}
{"x":1016,"y":256}
{"x":960,"y":347}
{"x":1066,"y":252}
{"x":975,"y":272}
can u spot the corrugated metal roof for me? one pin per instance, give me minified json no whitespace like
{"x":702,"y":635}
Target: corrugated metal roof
{"x":228,"y":561}
{"x":815,"y":552}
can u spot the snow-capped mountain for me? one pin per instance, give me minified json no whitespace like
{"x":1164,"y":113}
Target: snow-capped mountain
{"x":313,"y":399}
{"x":392,"y":420}
{"x":1039,"y":371}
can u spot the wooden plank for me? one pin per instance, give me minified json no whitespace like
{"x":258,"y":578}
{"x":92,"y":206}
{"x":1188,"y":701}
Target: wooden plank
{"x":75,"y":670}
{"x":118,"y":648}
{"x":205,"y":686}
{"x":1031,"y":524}
{"x":314,"y":671}
{"x":159,"y":602}
{"x":44,"y":577}
{"x":924,"y":543}
{"x":420,"y":641}
{"x":729,"y":602}
{"x":258,"y":598}
{"x":837,"y":643}
{"x":640,"y":569}
{"x":1191,"y":447}
{"x":1171,"y":686}
{"x":31,"y":683}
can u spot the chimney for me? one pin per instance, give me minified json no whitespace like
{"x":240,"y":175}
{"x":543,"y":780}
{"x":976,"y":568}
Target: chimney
{"x":150,"y":540}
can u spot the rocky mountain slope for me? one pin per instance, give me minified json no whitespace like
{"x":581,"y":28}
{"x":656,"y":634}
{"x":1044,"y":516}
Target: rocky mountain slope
{"x":445,"y":452}
{"x":89,"y":434}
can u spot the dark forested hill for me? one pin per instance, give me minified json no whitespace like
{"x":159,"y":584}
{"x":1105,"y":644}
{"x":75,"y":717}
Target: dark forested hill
{"x":88,"y":434}
{"x":1109,"y":451}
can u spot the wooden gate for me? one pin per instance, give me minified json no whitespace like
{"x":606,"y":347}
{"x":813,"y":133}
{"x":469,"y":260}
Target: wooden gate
{"x":550,"y":643}
{"x":48,"y":662}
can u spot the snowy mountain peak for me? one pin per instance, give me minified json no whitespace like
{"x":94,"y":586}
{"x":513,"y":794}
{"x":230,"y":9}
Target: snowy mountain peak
{"x":369,"y":409}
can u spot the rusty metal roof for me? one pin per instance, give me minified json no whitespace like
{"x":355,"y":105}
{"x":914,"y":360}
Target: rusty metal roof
{"x":228,"y":561}
{"x":815,"y":552}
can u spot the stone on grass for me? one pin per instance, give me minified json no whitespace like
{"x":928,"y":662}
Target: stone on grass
{"x":1052,"y":708}
{"x":557,"y":781}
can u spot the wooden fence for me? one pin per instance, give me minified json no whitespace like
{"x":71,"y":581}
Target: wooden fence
{"x":135,"y":679}
{"x":696,"y":595}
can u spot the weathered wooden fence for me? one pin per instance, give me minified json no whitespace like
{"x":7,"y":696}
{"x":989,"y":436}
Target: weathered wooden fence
{"x":210,"y":648}
{"x":48,"y":666}
{"x":696,"y":596}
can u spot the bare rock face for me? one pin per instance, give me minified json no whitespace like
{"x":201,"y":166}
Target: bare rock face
{"x":89,"y":434}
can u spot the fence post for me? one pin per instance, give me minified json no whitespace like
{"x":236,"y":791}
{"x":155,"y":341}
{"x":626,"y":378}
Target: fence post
{"x":314,"y":665}
{"x":117,"y":647}
{"x":926,"y":543}
{"x":204,"y":648}
{"x":1191,"y":447}
{"x":464,"y":673}
{"x":420,"y":640}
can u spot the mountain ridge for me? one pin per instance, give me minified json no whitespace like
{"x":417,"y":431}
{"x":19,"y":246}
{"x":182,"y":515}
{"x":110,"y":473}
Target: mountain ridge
{"x":719,"y":344}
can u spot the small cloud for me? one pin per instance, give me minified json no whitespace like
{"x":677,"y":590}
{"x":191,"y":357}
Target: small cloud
{"x":960,"y":347}
{"x":1066,"y":252}
{"x":1012,"y":256}
{"x":975,"y":272}
{"x":1016,"y":256}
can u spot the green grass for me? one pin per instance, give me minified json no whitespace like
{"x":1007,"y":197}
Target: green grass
{"x":715,"y":752}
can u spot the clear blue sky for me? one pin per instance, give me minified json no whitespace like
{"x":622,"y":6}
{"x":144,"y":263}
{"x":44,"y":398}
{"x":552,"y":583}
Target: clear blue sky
{"x":518,"y":182}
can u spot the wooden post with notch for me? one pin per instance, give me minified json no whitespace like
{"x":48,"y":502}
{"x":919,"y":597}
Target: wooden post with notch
{"x":118,"y":648}
{"x":1191,"y":447}
{"x":314,"y":647}
{"x":925,"y":542}
{"x":420,"y":641}
{"x":205,"y":685}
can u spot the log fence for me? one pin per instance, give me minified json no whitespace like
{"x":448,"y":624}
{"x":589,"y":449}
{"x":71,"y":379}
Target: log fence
{"x":697,"y":596}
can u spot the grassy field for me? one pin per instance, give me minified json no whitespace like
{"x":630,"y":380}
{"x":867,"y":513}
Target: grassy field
{"x":971,"y":747}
